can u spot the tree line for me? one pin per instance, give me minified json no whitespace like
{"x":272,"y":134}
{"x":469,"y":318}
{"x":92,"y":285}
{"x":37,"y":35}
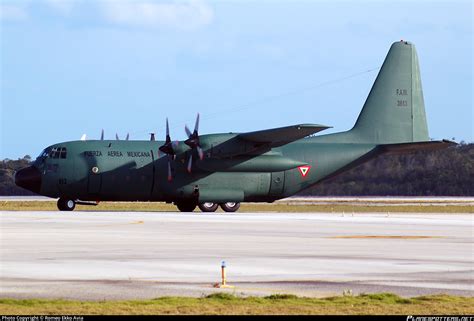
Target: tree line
{"x":448,"y":172}
{"x":7,"y":176}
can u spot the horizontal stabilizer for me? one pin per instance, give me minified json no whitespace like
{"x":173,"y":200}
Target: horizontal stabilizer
{"x":404,"y":148}
{"x":280,"y":136}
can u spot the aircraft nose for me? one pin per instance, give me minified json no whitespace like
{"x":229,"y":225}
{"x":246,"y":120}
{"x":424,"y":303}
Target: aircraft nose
{"x":29,"y":178}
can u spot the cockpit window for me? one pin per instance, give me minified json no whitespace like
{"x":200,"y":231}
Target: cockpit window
{"x":53,"y":153}
{"x":43,"y":154}
{"x":58,"y":152}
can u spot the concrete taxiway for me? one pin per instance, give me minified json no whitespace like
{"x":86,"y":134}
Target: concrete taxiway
{"x":105,"y":255}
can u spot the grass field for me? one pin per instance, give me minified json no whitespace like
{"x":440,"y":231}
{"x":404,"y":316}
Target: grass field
{"x":246,"y":207}
{"x":384,"y":303}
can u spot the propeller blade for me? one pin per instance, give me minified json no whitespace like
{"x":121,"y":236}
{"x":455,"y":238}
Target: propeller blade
{"x":190,"y":163}
{"x":193,"y":138}
{"x":167,"y":131}
{"x":196,"y":125}
{"x":170,"y":176}
{"x":152,"y":137}
{"x":200,"y":152}
{"x":194,"y":134}
{"x":128,"y":136}
{"x":116,"y":137}
{"x":102,"y":135}
{"x":188,"y":132}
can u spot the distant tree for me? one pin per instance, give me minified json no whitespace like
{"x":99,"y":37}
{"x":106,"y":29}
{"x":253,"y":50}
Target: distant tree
{"x":8,"y":168}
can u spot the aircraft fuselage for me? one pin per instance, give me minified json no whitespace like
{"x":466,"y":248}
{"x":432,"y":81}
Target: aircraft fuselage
{"x":105,"y":170}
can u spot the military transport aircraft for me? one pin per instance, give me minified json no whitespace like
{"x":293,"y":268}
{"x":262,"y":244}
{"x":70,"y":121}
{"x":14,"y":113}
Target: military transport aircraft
{"x":229,"y":168}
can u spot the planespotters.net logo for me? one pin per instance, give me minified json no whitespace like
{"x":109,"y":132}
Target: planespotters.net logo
{"x":439,"y":318}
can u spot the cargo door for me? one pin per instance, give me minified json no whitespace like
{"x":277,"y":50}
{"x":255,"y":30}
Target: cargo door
{"x":277,"y":183}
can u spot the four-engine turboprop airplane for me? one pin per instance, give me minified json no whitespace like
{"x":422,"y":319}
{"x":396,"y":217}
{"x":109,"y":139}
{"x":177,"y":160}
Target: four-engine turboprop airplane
{"x":229,"y":168}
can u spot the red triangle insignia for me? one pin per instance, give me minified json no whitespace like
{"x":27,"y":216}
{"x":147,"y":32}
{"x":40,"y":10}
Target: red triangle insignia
{"x":304,"y":170}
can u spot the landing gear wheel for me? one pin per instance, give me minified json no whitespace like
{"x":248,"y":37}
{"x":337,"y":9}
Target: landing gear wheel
{"x":186,"y":207}
{"x":208,"y":207}
{"x":230,"y":206}
{"x":66,"y":204}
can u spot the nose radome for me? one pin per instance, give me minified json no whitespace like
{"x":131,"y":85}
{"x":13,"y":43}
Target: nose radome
{"x":29,"y":178}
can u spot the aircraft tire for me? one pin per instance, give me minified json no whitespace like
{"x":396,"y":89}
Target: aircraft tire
{"x":230,"y":206}
{"x":208,"y":207}
{"x":65,"y":204}
{"x":186,"y":207}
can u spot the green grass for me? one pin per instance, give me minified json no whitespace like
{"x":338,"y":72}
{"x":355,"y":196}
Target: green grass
{"x":246,"y":207}
{"x":223,"y":303}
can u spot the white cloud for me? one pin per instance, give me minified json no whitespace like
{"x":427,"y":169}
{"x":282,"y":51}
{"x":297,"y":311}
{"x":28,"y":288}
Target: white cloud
{"x":177,"y":15}
{"x":13,"y":12}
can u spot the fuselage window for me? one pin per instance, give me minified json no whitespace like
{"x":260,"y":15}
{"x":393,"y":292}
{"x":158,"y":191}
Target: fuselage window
{"x":63,"y":152}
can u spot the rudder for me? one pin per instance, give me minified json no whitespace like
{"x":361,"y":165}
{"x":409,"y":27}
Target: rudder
{"x":394,"y":111}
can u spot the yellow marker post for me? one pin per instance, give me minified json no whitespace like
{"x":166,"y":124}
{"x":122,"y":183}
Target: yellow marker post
{"x":223,"y":273}
{"x":224,"y":278}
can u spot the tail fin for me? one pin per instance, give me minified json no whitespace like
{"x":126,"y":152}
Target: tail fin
{"x":394,"y":111}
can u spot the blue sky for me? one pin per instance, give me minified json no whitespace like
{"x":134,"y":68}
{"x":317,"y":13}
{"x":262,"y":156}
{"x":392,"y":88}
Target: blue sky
{"x":74,"y":67}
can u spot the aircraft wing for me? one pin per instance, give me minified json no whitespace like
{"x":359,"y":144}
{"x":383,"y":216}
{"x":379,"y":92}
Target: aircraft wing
{"x":276,"y":137}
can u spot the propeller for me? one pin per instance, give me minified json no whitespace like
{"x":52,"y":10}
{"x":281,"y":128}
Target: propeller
{"x":116,"y":137}
{"x":168,"y":148}
{"x":102,"y":134}
{"x":128,"y":136}
{"x":193,"y":142}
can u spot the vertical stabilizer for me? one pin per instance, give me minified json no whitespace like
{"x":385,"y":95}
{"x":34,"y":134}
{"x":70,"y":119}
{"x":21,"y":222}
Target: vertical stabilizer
{"x":394,"y":111}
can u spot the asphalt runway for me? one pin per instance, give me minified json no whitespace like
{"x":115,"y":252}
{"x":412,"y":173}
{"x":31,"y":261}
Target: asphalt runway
{"x":105,"y":255}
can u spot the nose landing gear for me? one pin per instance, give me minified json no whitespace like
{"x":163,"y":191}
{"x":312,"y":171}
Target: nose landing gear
{"x":186,"y":206}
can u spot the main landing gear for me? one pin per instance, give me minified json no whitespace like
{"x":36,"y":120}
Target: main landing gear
{"x":208,"y":206}
{"x":65,"y":204}
{"x":230,"y":206}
